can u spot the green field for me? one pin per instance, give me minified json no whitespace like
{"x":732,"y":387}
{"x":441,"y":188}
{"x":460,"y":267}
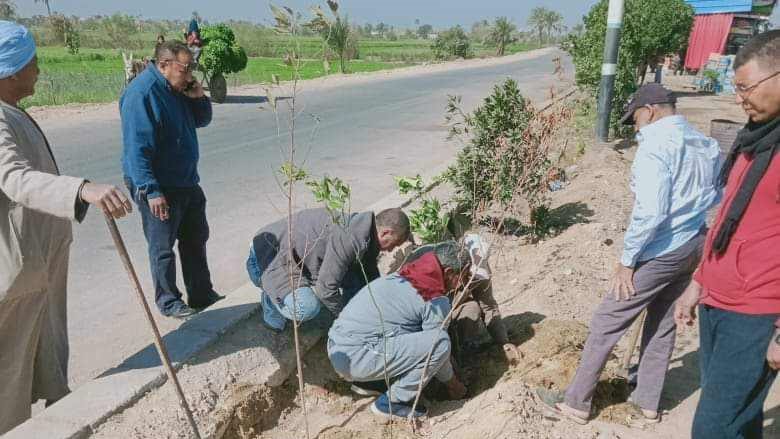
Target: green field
{"x":368,"y":49}
{"x":97,"y":75}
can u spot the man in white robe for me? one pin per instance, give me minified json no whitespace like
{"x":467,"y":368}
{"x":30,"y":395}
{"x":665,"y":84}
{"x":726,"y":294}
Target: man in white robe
{"x":37,"y":206}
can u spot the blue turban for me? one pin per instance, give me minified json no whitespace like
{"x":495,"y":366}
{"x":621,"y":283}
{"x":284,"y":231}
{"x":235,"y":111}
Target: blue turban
{"x":17,"y":48}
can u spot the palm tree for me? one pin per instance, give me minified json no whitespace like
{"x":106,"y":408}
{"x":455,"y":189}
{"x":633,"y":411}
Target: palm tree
{"x":538,"y":21}
{"x":7,"y":10}
{"x":45,"y":2}
{"x":554,"y":23}
{"x":502,"y":34}
{"x":335,"y":31}
{"x":338,"y":40}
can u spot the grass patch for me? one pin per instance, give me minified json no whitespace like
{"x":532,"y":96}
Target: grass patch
{"x":260,"y":70}
{"x":97,"y":75}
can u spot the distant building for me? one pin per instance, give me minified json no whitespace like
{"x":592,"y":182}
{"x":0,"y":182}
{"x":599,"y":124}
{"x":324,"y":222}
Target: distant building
{"x":721,"y":27}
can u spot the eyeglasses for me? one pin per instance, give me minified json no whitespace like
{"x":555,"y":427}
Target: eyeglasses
{"x":744,"y":92}
{"x":188,"y":68}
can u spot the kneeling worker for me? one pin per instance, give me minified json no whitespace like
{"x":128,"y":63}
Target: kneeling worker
{"x":327,"y":257}
{"x":402,"y":313}
{"x":479,"y":315}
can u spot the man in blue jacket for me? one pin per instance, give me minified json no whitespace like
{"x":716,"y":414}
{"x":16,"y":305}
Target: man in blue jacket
{"x":160,"y":111}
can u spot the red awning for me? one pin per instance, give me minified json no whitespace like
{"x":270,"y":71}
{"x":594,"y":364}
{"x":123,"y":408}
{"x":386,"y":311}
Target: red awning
{"x":708,"y":36}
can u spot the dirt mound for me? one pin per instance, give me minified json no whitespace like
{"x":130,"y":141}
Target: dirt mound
{"x":248,"y":410}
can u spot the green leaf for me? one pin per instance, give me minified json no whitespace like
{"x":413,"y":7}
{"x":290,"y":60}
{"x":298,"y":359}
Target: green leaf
{"x":334,"y":194}
{"x":408,"y":184}
{"x":291,"y":173}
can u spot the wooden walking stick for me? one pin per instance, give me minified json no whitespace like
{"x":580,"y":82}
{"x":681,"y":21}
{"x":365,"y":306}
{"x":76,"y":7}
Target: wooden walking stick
{"x":633,"y":338}
{"x":122,"y":250}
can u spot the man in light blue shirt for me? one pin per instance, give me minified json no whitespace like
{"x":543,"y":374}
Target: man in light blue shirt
{"x":674,"y":181}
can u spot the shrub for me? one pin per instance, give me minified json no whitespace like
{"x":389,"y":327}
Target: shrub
{"x":505,"y":153}
{"x":72,"y":40}
{"x":452,"y":43}
{"x":221,"y":53}
{"x":429,"y":221}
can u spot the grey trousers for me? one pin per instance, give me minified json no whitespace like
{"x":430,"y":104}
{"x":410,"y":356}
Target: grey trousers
{"x":406,"y":355}
{"x":659,"y":283}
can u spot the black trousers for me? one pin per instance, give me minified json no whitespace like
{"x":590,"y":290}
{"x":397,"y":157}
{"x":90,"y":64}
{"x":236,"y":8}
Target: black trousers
{"x":188,"y":226}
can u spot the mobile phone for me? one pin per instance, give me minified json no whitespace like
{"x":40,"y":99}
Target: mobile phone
{"x":190,"y":85}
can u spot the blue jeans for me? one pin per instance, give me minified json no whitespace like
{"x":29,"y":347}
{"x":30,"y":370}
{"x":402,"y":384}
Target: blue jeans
{"x":187,"y":226}
{"x":276,"y":313}
{"x":735,"y":377}
{"x":364,"y":360}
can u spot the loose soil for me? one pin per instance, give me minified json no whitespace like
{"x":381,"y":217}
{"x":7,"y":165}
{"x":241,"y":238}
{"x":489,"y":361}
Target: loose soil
{"x":547,"y":292}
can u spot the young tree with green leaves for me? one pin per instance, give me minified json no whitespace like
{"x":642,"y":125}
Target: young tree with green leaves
{"x":502,"y":34}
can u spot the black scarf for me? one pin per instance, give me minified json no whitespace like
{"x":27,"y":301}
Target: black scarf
{"x":759,"y":142}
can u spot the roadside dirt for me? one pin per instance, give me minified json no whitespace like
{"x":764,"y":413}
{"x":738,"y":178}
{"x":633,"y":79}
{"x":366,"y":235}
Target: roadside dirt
{"x":547,"y":292}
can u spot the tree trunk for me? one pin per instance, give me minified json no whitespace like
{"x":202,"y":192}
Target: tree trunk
{"x":343,"y":66}
{"x":642,"y":72}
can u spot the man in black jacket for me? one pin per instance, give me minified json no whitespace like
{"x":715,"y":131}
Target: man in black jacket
{"x":331,"y":259}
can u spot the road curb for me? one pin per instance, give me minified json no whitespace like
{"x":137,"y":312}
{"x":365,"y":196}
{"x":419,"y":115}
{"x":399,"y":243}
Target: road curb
{"x":79,"y":414}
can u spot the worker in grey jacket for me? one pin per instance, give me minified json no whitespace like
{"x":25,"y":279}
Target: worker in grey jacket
{"x":390,"y":326}
{"x":332,"y":258}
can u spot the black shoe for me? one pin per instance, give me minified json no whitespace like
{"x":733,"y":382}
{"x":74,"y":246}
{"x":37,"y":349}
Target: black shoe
{"x":212,"y":299}
{"x":179,"y":311}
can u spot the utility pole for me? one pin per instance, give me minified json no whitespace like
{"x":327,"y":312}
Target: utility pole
{"x":609,"y":67}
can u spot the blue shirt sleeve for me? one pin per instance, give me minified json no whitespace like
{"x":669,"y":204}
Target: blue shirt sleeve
{"x":201,"y":110}
{"x":138,"y":133}
{"x":652,"y":185}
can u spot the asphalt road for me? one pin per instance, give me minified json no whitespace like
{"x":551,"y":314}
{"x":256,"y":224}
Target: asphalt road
{"x":364,"y":132}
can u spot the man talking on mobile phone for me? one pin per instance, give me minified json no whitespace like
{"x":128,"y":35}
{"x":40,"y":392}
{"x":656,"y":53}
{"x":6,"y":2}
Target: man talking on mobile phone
{"x":161,"y":110}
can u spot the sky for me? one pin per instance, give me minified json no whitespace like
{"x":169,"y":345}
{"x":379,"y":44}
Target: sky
{"x":399,"y":13}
